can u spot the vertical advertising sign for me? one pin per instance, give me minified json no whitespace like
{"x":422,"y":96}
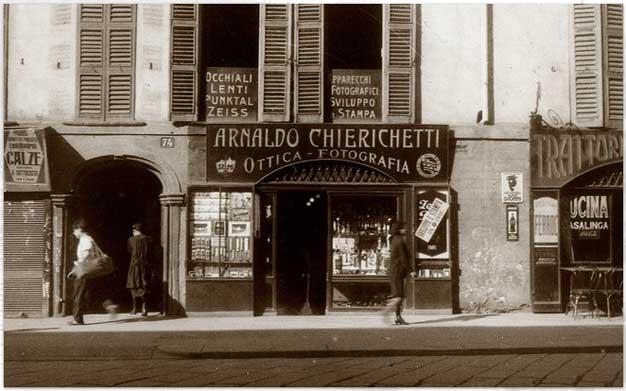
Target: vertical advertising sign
{"x":546,"y":220}
{"x":355,"y":96}
{"x":432,"y":224}
{"x":512,"y":223}
{"x":231,"y":95}
{"x":25,"y":160}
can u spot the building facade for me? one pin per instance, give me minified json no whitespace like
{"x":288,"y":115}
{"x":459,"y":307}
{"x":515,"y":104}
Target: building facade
{"x":268,"y":149}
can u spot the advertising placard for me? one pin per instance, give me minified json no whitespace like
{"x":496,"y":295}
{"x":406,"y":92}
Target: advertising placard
{"x":512,"y":223}
{"x":231,"y":95}
{"x":431,"y":220}
{"x":25,"y":160}
{"x":437,"y":246}
{"x":512,"y":187}
{"x":546,"y":220}
{"x":355,"y":95}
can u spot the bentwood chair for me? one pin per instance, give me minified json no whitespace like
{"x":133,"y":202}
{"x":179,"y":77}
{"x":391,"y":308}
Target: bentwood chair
{"x":583,"y":288}
{"x":613,"y":289}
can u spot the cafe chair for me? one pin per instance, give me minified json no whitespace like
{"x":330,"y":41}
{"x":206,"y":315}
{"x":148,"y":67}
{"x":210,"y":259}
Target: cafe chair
{"x":613,"y":289}
{"x":583,"y":288}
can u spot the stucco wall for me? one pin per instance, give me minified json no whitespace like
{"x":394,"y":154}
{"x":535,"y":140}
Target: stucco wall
{"x":531,"y":46}
{"x":41,"y":62}
{"x":495,"y":273}
{"x":152,"y":65}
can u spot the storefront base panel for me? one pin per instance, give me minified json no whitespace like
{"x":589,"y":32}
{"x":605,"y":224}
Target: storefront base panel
{"x":433,"y":294}
{"x":219,"y":295}
{"x":547,"y":308}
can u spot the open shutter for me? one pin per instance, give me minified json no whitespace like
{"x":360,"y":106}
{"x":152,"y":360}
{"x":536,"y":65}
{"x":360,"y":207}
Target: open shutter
{"x":587,"y":72}
{"x":121,"y":49}
{"x":309,"y":60}
{"x":91,"y":61}
{"x":184,"y":61}
{"x":275,"y":62}
{"x":399,"y":63}
{"x":613,"y":21}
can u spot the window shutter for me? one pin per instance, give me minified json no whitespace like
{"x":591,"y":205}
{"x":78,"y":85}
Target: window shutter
{"x":91,"y":61}
{"x":309,"y":61}
{"x":399,"y":63}
{"x":121,"y":49}
{"x":184,"y":61}
{"x":587,"y":72}
{"x":275,"y":62}
{"x":613,"y":21}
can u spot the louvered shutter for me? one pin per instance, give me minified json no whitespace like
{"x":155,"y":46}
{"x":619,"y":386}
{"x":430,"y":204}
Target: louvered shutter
{"x":120,"y":47}
{"x":587,"y":72}
{"x":184,"y":61}
{"x":275,"y":62}
{"x":613,"y":21}
{"x":399,"y":63}
{"x":309,"y":59}
{"x":24,"y":255}
{"x":91,"y":61}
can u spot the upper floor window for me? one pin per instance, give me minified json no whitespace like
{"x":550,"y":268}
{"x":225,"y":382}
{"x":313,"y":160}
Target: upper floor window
{"x":106,"y":59}
{"x":598,"y":72}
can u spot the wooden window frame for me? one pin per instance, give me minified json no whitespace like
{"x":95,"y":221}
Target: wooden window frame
{"x":105,"y":26}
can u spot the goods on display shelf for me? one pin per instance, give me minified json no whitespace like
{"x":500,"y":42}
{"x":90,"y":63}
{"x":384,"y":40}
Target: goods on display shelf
{"x":221,"y":229}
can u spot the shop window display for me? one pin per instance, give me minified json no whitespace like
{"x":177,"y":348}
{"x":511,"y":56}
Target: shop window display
{"x":221,"y":224}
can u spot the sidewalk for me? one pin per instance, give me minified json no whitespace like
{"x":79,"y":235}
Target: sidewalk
{"x":308,"y":336}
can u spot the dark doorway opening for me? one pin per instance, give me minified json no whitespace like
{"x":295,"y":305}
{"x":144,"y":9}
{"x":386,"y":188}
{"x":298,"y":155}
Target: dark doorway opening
{"x":301,"y":259}
{"x":110,"y":199}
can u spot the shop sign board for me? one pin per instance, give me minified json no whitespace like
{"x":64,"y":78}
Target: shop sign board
{"x":588,"y":219}
{"x":546,"y":220}
{"x":355,"y":95}
{"x":432,"y":240}
{"x":25,"y":160}
{"x":557,"y":156}
{"x":431,"y":220}
{"x":512,"y":185}
{"x":248,"y":153}
{"x":231,"y":95}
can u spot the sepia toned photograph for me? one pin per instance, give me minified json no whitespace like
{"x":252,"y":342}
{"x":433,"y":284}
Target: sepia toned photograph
{"x":312,"y":194}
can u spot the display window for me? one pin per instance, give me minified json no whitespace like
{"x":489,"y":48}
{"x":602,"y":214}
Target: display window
{"x":360,"y":230}
{"x":432,"y":234}
{"x":221,"y":224}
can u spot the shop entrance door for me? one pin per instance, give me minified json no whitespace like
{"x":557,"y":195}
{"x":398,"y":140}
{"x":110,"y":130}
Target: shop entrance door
{"x":302,"y":229}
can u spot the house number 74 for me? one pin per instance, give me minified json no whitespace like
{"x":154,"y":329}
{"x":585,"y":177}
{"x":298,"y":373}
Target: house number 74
{"x":167,"y":142}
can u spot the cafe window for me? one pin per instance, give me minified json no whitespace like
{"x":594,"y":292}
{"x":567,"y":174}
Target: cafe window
{"x":106,"y":60}
{"x":598,"y":75}
{"x":220,"y":226}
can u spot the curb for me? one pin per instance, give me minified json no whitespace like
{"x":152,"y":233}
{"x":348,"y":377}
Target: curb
{"x":390,"y":352}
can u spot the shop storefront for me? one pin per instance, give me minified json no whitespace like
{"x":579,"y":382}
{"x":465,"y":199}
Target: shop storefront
{"x":577,"y":208}
{"x":295,"y":218}
{"x":27,"y":223}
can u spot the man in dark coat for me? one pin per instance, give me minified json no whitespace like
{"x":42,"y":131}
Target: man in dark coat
{"x":400,"y":266}
{"x":137,"y":279}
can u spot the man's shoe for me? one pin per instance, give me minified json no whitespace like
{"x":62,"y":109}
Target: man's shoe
{"x":75,"y":323}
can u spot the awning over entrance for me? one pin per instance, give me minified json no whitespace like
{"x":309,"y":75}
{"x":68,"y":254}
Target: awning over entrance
{"x":26,"y":160}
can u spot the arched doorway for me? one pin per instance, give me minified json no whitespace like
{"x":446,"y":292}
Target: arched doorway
{"x":112,"y":195}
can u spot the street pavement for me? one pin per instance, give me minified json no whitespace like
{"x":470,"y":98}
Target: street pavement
{"x":517,"y":350}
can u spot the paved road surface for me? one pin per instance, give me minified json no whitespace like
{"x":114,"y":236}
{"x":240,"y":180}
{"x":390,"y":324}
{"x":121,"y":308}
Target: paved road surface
{"x":523,"y":370}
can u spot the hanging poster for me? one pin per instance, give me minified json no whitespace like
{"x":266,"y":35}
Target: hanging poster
{"x":355,"y":95}
{"x":231,"y":95}
{"x":512,"y":223}
{"x":432,"y":234}
{"x":546,"y":220}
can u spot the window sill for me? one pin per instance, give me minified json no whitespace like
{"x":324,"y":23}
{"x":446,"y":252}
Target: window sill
{"x":104,"y":123}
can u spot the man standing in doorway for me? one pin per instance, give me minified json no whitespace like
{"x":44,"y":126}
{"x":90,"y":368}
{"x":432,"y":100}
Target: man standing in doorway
{"x":139,"y":248}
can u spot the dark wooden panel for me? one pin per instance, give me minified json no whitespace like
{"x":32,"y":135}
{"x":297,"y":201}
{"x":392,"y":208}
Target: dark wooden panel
{"x":219,"y":295}
{"x":430,"y":294}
